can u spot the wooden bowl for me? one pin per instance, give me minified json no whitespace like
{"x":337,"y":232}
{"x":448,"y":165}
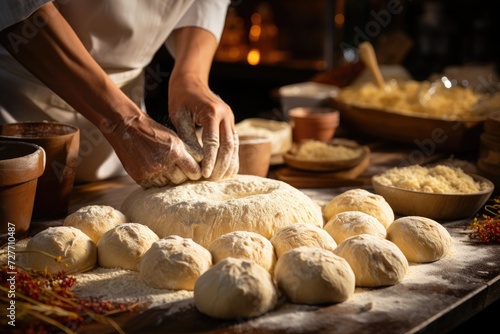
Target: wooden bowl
{"x":292,"y":160}
{"x":426,"y":133}
{"x":435,"y":206}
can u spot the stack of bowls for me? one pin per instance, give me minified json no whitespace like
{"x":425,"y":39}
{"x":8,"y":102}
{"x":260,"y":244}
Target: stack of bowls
{"x":488,"y":163}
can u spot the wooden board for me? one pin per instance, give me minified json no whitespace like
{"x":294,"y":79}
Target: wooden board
{"x":304,"y":179}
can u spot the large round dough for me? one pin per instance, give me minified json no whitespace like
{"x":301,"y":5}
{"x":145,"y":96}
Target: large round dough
{"x":311,"y":275}
{"x":235,"y":288}
{"x":95,"y":220}
{"x":244,"y":245}
{"x":360,"y":200}
{"x":350,"y":223}
{"x":124,"y":245}
{"x":77,"y":252}
{"x":420,"y":239}
{"x":300,"y":234}
{"x":375,"y":261}
{"x":205,"y":210}
{"x":174,"y":263}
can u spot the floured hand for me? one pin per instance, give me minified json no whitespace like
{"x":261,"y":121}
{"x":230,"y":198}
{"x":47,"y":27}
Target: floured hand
{"x":152,"y":154}
{"x":192,"y":104}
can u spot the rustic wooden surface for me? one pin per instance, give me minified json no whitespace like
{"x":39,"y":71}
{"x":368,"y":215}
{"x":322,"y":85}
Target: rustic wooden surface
{"x":464,"y":287}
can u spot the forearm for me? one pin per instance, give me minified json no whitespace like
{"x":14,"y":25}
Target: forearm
{"x":55,"y":55}
{"x":194,"y":52}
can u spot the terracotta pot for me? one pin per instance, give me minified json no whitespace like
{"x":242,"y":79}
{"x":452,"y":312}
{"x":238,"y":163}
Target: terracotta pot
{"x":313,"y":123}
{"x":61,"y":144}
{"x":254,"y":155}
{"x":21,"y":164}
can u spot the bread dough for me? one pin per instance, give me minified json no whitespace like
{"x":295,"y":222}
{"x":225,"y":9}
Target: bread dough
{"x":95,"y":220}
{"x":77,"y":251}
{"x":360,"y":200}
{"x":311,"y":275}
{"x":349,"y":223}
{"x":124,"y":245}
{"x":205,"y":210}
{"x":420,"y":239}
{"x":174,"y":263}
{"x":300,"y":234}
{"x":374,"y":261}
{"x":244,"y":245}
{"x":235,"y":288}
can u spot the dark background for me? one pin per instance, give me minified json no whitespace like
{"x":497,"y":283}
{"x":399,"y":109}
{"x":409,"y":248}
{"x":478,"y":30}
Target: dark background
{"x":443,"y":33}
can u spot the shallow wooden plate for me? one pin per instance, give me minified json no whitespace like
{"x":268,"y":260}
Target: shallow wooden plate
{"x":292,"y":160}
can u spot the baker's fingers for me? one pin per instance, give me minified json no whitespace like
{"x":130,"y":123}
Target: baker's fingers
{"x":186,"y":130}
{"x":226,"y":156}
{"x":235,"y":159}
{"x":210,"y":139}
{"x":177,"y":176}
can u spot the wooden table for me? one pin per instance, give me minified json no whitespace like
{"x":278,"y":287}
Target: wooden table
{"x":435,"y":300}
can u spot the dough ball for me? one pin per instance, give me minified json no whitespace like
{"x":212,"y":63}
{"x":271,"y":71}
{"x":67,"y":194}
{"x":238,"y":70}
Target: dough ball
{"x":311,"y":275}
{"x":300,"y":234}
{"x":95,"y":220}
{"x":124,"y":245}
{"x":350,"y":223}
{"x":77,"y":251}
{"x":205,"y":210}
{"x":375,"y":261}
{"x":360,"y":200}
{"x":420,"y":239}
{"x":244,"y":245}
{"x":174,"y":263}
{"x":235,"y":288}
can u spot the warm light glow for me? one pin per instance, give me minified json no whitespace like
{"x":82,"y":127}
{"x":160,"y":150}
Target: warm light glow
{"x":256,"y":18}
{"x":254,"y":33}
{"x":339,"y":19}
{"x":234,"y":52}
{"x":253,"y":57}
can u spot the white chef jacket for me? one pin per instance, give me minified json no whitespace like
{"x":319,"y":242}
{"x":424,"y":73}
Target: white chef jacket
{"x":122,"y":36}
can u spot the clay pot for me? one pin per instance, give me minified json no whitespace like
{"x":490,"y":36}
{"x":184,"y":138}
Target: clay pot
{"x":61,"y":144}
{"x":313,"y":123}
{"x":21,"y":164}
{"x":254,"y":155}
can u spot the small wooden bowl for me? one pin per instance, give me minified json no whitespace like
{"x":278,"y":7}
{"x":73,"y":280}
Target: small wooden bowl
{"x":292,"y":160}
{"x":435,"y":206}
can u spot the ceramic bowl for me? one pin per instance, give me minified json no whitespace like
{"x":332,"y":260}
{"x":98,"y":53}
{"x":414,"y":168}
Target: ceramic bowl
{"x":61,"y":145}
{"x":435,"y":206}
{"x":313,"y":123}
{"x":21,"y":164}
{"x":254,"y":155}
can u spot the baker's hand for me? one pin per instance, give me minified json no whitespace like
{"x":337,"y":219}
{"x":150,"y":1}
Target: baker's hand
{"x":193,"y":104}
{"x":152,"y":154}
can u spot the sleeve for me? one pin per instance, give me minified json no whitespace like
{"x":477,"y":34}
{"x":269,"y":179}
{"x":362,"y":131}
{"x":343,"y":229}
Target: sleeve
{"x":207,"y":14}
{"x":13,"y":11}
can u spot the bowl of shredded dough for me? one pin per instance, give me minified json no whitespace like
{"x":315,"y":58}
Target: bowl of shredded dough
{"x":437,"y":192}
{"x":314,"y":155}
{"x":428,"y":115}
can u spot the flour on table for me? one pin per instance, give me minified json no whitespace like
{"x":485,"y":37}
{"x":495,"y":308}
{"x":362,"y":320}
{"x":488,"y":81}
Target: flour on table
{"x":125,"y":286}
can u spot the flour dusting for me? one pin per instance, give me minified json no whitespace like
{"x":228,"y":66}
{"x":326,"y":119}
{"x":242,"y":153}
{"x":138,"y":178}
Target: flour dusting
{"x":125,"y":286}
